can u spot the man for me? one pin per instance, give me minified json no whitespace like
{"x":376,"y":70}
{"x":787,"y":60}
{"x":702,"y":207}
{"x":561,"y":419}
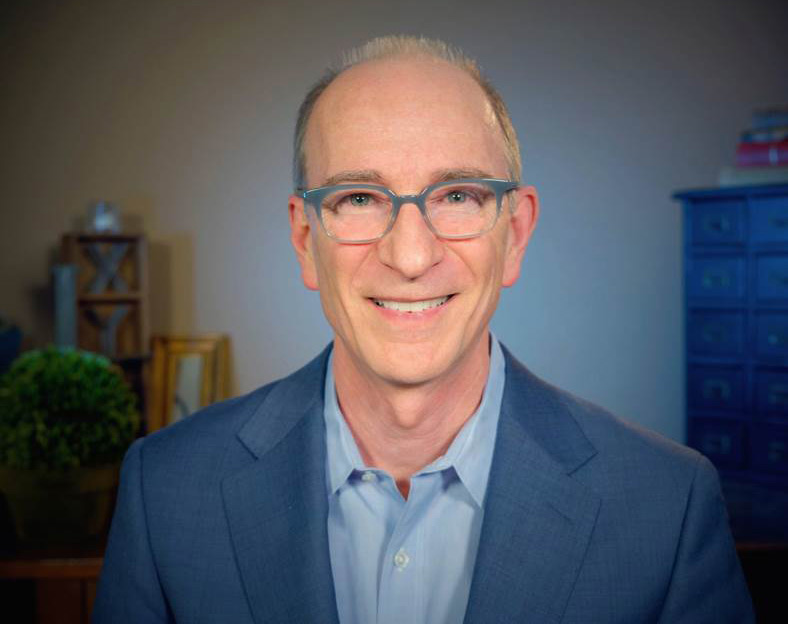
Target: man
{"x":415,"y":471}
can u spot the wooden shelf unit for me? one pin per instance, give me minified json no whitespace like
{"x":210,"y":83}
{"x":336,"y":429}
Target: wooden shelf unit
{"x":112,"y":291}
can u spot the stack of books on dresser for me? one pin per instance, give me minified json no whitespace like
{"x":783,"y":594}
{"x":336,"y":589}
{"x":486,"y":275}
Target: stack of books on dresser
{"x":762,"y":153}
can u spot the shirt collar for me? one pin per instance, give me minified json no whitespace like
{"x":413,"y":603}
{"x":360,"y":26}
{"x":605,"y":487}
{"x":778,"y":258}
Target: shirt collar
{"x":469,"y":454}
{"x":342,"y":454}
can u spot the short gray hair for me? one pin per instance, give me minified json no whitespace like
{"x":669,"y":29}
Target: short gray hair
{"x":396,"y":46}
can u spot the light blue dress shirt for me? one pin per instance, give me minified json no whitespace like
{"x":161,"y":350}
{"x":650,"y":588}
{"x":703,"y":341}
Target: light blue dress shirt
{"x":395,"y":560}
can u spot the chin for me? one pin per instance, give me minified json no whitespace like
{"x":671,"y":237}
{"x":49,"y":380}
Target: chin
{"x":408,"y":363}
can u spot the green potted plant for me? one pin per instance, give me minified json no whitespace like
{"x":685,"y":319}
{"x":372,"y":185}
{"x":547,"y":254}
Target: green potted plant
{"x":66,"y":420}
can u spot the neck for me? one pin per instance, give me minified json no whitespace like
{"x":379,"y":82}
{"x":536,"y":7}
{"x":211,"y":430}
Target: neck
{"x":402,"y":428}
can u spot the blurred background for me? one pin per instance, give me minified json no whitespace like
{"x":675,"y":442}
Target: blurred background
{"x":181,"y":113}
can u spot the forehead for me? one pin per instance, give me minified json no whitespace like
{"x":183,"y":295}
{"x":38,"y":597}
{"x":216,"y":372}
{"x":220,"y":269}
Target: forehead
{"x":403,"y":117}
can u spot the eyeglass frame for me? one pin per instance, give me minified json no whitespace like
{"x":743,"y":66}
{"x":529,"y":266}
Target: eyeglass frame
{"x":314,"y":197}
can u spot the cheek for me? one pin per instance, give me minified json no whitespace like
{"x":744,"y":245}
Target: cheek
{"x":324,"y":269}
{"x":490,"y":262}
{"x":339,"y":268}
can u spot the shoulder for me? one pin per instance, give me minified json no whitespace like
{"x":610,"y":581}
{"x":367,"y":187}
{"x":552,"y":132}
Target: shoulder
{"x":624,"y":439}
{"x":211,"y":438}
{"x":210,"y":426}
{"x":621,"y":451}
{"x":658,"y":509}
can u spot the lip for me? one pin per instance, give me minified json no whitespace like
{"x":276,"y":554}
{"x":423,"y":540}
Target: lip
{"x":393,"y":313}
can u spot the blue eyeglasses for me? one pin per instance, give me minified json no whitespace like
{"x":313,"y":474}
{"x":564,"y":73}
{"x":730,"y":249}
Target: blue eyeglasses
{"x":364,"y":213}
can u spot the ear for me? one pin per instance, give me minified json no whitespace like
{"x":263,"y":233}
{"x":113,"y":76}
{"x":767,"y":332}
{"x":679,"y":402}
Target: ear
{"x":522,"y":221}
{"x":301,"y":239}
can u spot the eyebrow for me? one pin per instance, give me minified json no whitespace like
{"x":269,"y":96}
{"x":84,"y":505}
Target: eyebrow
{"x":367,"y":176}
{"x":370,"y":176}
{"x":444,"y":175}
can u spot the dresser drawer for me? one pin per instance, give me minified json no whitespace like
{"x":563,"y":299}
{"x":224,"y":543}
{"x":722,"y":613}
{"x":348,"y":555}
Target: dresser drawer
{"x":716,"y":276}
{"x":716,"y":332}
{"x":717,"y":221}
{"x":771,"y":281}
{"x":771,"y":330}
{"x":769,"y":219}
{"x":722,"y":441}
{"x":769,"y":448}
{"x":771,"y":391}
{"x":716,"y":387}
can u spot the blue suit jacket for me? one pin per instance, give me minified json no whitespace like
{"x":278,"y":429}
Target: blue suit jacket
{"x":222,"y":518}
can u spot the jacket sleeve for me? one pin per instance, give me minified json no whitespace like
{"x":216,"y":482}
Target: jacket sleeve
{"x":129,"y":591}
{"x":707,"y":584}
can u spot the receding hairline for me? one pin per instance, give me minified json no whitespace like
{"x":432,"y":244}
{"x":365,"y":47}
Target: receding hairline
{"x":404,"y":47}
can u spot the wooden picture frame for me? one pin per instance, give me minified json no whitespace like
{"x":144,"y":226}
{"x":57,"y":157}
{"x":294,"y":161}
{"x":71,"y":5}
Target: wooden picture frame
{"x":187,"y":373}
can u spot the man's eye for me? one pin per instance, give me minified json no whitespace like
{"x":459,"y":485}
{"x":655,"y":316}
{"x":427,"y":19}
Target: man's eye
{"x":359,"y":199}
{"x":457,"y":197}
{"x":352,"y":202}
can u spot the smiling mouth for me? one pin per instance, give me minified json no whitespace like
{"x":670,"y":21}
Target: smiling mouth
{"x":411,"y":306}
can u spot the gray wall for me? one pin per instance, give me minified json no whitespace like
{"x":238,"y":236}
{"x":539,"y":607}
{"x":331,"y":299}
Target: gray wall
{"x":182,"y":112}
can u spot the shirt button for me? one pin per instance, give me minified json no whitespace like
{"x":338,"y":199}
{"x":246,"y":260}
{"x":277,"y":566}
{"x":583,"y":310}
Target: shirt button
{"x":368,"y":476}
{"x":401,"y":559}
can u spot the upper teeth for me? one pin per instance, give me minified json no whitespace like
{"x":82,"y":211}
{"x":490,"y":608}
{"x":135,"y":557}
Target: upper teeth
{"x":411,"y":306}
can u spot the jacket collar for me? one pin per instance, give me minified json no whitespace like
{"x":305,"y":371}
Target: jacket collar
{"x":289,"y":401}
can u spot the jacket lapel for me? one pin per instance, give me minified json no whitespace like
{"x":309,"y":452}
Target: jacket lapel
{"x":537,"y":524}
{"x":538,"y":518}
{"x":277,"y":506}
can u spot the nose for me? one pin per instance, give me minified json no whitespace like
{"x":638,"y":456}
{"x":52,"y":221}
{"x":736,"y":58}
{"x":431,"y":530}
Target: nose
{"x":410,"y":248}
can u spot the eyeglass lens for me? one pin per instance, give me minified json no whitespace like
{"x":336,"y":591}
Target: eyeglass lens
{"x":454,"y":210}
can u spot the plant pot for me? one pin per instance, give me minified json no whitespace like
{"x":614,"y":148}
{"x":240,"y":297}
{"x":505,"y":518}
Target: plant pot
{"x":60,"y":508}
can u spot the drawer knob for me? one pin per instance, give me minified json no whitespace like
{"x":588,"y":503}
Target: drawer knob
{"x":781,"y":279}
{"x":713,"y":334}
{"x":717,"y":389}
{"x":776,"y":453}
{"x":716,"y":223}
{"x":717,"y":444}
{"x":778,"y":394}
{"x":716,"y":279}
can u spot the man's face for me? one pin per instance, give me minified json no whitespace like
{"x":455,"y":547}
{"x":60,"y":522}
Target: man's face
{"x":406,"y":123}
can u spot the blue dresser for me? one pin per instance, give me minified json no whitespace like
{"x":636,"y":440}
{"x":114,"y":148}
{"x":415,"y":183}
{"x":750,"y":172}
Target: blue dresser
{"x":736,"y":298}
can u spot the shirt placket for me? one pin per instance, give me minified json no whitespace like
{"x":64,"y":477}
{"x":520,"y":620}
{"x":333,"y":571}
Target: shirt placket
{"x":401,"y":586}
